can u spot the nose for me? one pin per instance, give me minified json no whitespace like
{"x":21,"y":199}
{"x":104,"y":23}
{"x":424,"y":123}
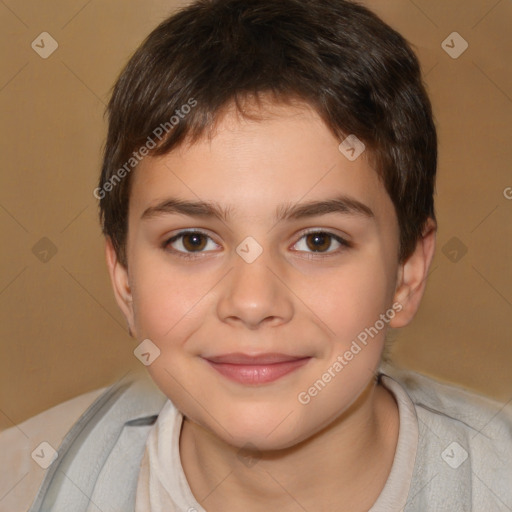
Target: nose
{"x":255,"y":294}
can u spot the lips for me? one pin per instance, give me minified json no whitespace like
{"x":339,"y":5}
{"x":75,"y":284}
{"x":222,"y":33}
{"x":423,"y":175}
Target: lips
{"x":256,"y":369}
{"x":239,"y":358}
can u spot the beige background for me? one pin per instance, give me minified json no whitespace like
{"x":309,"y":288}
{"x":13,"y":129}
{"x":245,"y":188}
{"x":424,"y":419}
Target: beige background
{"x":62,"y":334}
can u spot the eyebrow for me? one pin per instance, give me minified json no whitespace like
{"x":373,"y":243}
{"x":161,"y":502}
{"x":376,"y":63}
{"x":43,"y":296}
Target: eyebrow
{"x":288,"y":211}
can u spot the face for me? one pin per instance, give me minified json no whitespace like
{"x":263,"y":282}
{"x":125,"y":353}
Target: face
{"x":291,"y":257}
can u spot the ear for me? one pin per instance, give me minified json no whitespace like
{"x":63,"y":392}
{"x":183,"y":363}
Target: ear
{"x":412,"y":276}
{"x":120,"y":284}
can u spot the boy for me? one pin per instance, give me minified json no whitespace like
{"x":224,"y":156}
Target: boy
{"x":267,"y":201}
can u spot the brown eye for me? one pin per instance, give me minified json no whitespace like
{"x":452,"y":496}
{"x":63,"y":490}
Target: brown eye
{"x":322,"y":242}
{"x":318,"y":242}
{"x":194,"y":241}
{"x":189,"y":244}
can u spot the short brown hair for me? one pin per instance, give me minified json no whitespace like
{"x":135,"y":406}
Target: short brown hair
{"x":359,"y":75}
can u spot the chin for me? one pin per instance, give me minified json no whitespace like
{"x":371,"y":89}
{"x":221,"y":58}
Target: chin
{"x":261,"y":430}
{"x":253,"y":441}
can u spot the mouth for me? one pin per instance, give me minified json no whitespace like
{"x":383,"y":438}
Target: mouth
{"x":256,"y":370}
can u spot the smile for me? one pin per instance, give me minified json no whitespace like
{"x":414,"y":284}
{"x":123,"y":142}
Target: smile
{"x":256,"y":370}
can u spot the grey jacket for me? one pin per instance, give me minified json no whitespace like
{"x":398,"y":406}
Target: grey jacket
{"x":98,"y":461}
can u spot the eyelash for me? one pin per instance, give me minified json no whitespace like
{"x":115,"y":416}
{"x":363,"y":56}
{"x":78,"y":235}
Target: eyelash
{"x":192,"y":256}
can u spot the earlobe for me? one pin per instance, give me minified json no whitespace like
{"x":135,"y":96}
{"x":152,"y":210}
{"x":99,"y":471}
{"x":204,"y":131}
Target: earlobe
{"x":412,"y":276}
{"x":120,"y":283}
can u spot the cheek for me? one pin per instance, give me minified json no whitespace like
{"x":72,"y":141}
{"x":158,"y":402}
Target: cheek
{"x":350,"y":302}
{"x":165,"y":300}
{"x":350,"y":298}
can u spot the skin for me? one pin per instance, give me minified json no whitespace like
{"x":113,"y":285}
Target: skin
{"x":337,"y":450}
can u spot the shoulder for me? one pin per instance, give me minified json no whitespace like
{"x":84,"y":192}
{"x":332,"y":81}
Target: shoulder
{"x":20,"y":446}
{"x":90,"y":419}
{"x":465,"y":443}
{"x":102,"y":450}
{"x":453,"y":405}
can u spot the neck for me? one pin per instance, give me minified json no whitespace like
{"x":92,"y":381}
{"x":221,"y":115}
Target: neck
{"x":346,"y":464}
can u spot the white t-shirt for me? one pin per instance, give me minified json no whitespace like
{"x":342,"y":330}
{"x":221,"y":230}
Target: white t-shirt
{"x":164,"y":487}
{"x":454,"y":453}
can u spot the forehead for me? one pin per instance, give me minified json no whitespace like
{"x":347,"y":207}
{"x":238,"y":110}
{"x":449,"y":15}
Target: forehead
{"x":251,"y":165}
